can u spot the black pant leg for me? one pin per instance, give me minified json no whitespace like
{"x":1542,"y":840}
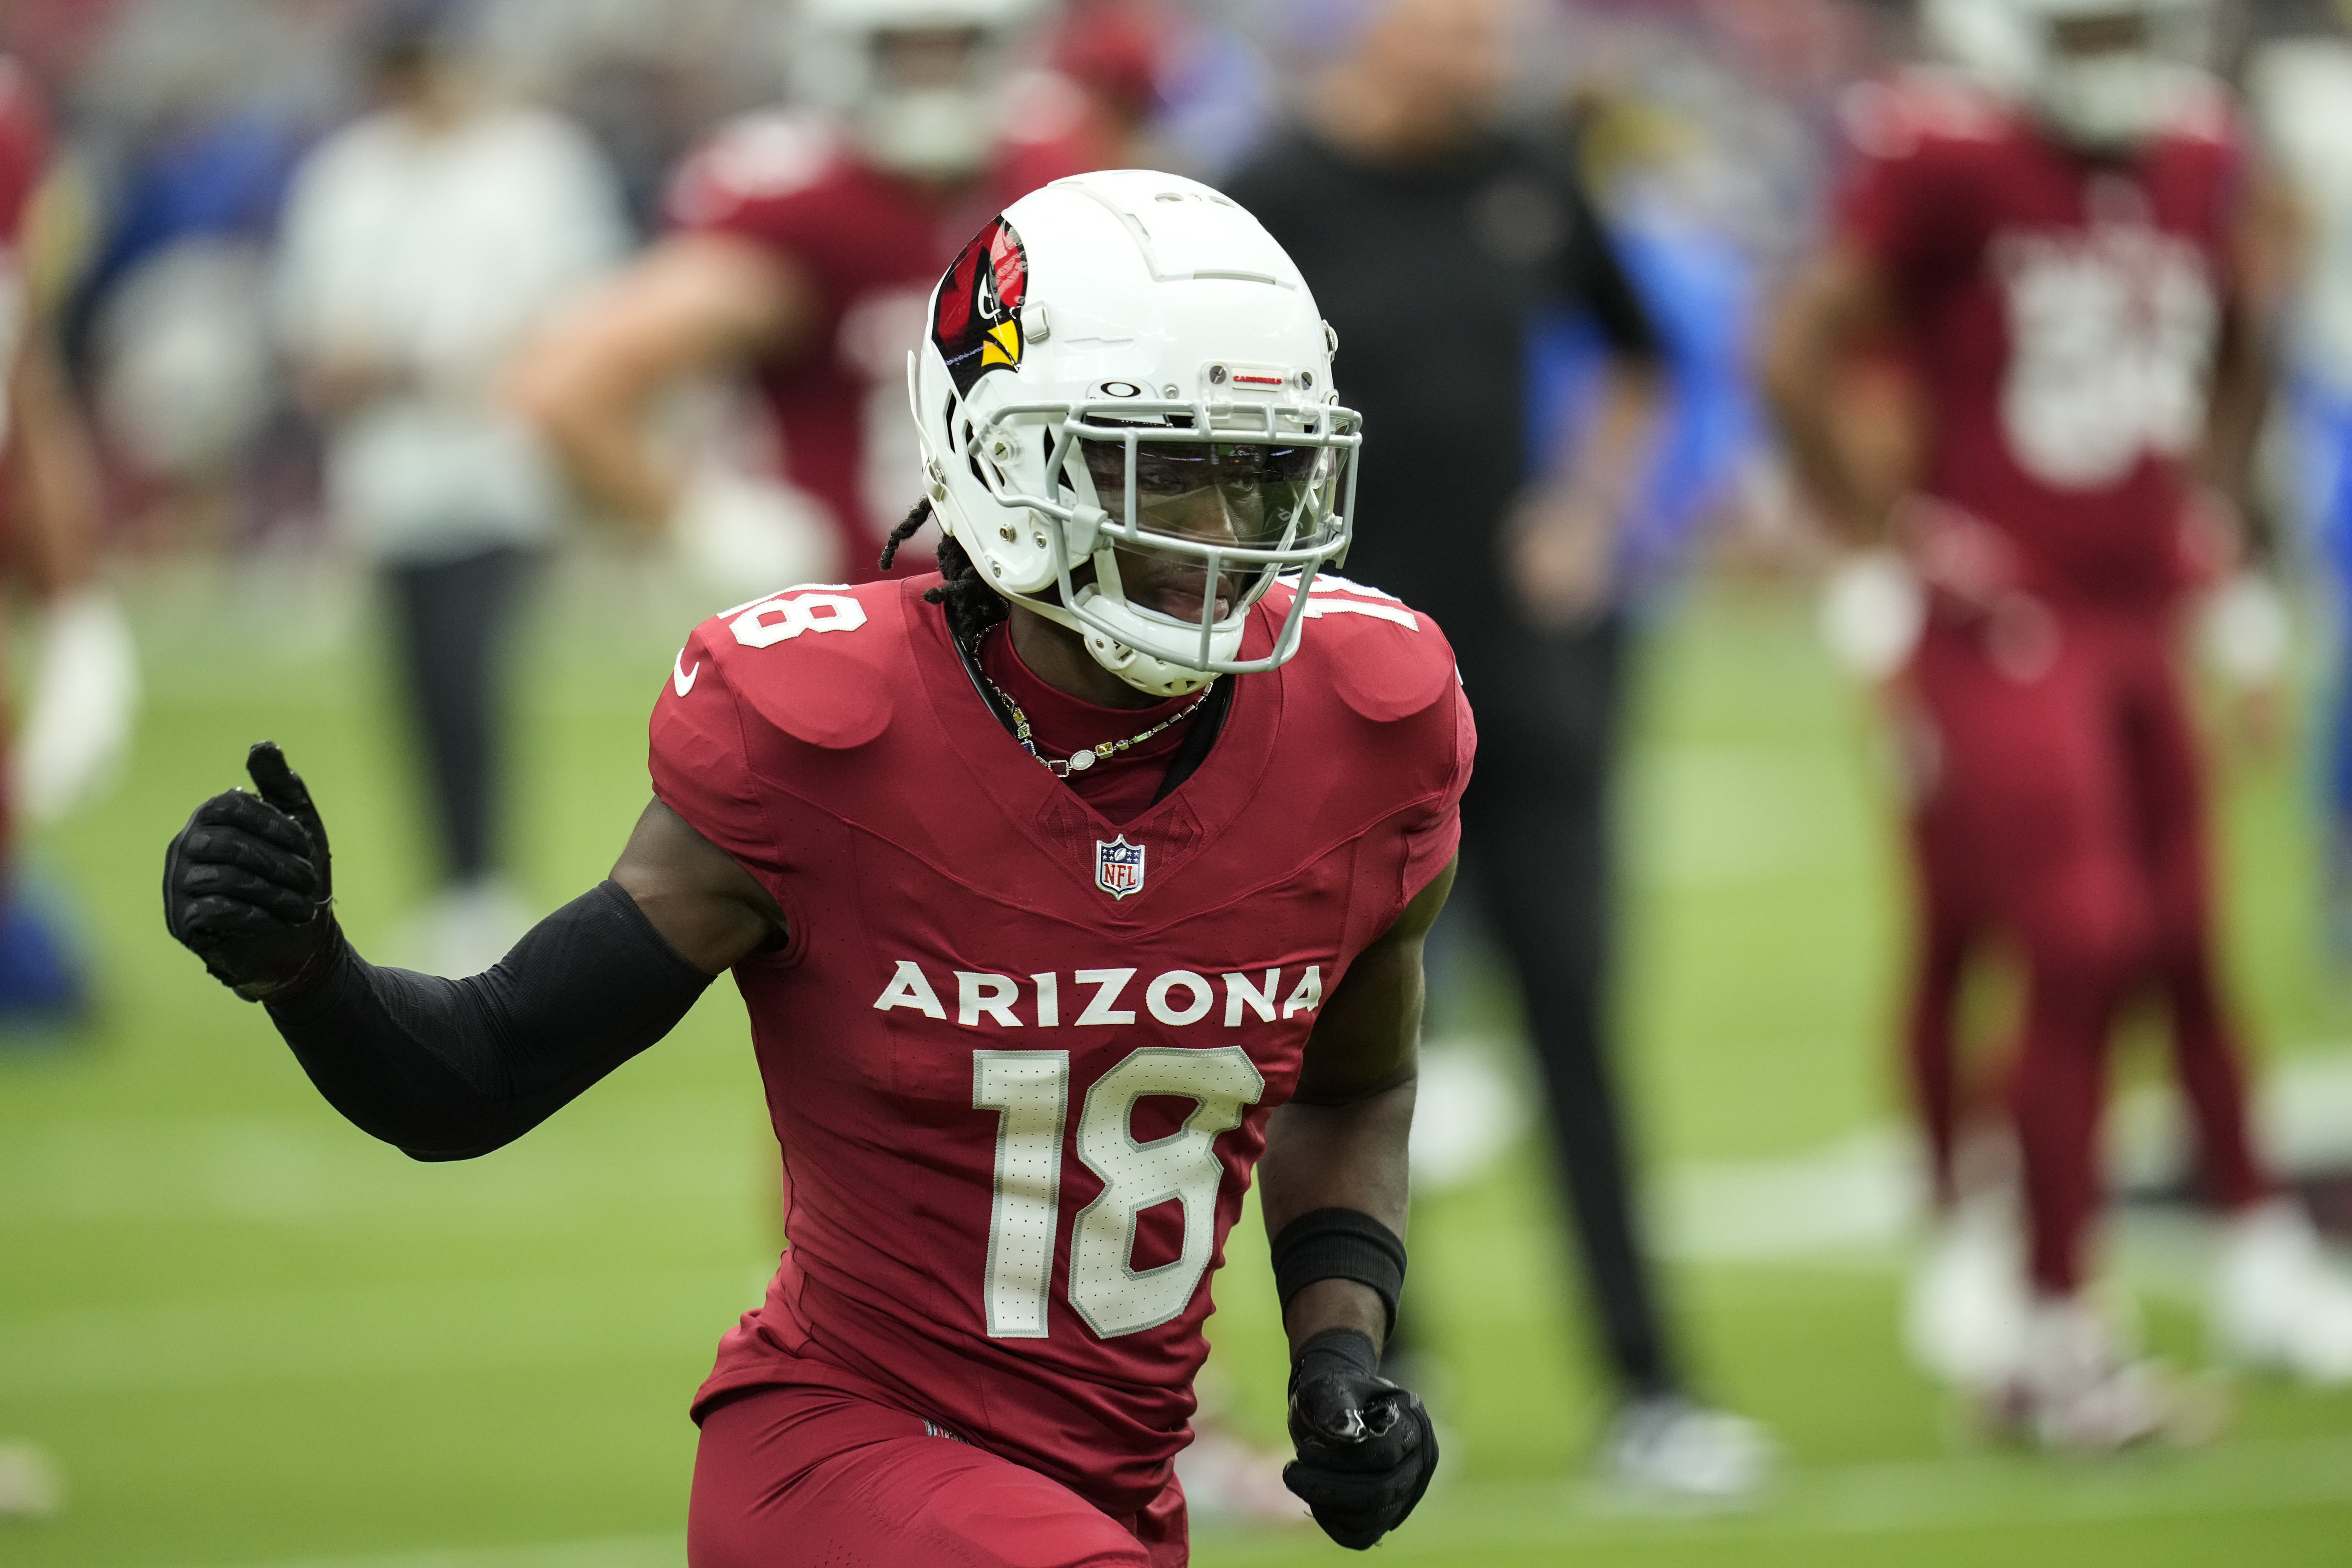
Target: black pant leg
{"x":453,"y":619}
{"x":1536,"y":823}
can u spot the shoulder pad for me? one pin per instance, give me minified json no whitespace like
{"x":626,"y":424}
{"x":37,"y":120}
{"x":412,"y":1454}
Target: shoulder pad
{"x":1386,"y":661}
{"x":1893,"y":116}
{"x":822,"y":662}
{"x":756,"y":157}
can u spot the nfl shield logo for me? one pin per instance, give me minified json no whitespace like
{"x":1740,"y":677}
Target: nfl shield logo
{"x":1119,"y":867}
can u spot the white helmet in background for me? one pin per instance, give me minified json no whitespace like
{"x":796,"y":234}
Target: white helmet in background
{"x":1127,"y":419}
{"x":2105,"y":75}
{"x":939,"y":123}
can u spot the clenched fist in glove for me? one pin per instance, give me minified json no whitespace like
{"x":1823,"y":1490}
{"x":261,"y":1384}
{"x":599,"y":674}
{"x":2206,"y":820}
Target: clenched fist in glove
{"x":246,"y":883}
{"x":1366,"y":1450}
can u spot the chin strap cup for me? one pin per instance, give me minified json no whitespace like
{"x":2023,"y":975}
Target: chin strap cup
{"x":1153,"y":675}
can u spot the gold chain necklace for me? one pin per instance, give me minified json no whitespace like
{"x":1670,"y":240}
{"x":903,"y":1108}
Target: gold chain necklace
{"x":1080,"y":762}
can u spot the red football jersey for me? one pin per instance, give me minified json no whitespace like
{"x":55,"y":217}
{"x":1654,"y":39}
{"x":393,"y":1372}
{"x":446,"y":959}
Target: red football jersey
{"x":1020,"y":1058}
{"x":24,"y":154}
{"x":2061,"y":314}
{"x":23,"y":149}
{"x":874,"y":244}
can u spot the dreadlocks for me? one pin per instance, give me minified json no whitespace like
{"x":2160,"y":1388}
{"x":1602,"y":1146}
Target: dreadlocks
{"x":972,"y":606}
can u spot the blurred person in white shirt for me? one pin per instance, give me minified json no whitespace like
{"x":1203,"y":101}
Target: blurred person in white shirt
{"x":421,"y":245}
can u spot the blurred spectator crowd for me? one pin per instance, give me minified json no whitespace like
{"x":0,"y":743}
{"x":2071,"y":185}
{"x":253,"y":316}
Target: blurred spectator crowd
{"x":181,"y":125}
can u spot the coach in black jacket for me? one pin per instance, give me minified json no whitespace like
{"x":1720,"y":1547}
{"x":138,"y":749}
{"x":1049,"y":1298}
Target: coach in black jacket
{"x":1433,"y":238}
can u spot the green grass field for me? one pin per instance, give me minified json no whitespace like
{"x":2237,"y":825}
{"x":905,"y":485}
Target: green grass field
{"x":252,"y":1337}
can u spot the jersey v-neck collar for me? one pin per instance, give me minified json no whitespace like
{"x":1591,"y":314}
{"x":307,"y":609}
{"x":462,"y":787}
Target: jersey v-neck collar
{"x":1061,"y":723}
{"x":1056,"y":817}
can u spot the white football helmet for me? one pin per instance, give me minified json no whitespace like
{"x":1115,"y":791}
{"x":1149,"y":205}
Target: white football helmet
{"x":2103,"y":93}
{"x":939,"y":126}
{"x":1128,"y":422}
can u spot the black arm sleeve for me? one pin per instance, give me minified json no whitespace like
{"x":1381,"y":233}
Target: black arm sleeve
{"x":448,"y":1069}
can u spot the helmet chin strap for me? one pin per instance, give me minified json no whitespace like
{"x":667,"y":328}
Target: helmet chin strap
{"x":1147,"y":672}
{"x":1153,"y":676}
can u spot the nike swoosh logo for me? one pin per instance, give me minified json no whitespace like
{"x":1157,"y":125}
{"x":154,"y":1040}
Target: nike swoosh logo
{"x":682,"y":678}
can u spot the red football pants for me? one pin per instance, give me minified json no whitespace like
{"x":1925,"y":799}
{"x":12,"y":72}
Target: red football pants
{"x":2062,"y":807}
{"x":809,"y":1477}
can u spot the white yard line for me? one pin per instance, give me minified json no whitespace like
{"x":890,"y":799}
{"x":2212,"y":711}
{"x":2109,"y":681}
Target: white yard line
{"x":1863,"y":1192}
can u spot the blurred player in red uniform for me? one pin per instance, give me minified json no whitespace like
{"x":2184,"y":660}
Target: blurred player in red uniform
{"x":84,"y":679}
{"x":83,"y":684}
{"x":1064,"y":890}
{"x":802,"y":246}
{"x":2080,"y":272}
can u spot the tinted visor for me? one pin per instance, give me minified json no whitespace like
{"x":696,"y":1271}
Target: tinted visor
{"x":2123,"y":30}
{"x":1256,"y":494}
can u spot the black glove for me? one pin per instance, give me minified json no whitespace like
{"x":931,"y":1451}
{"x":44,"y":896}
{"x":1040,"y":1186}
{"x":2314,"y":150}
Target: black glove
{"x":246,"y":884}
{"x":1366,"y":1450}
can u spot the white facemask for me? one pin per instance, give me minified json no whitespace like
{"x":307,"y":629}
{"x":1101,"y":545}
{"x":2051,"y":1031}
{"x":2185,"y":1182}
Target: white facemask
{"x":2110,"y":103}
{"x":932,"y":132}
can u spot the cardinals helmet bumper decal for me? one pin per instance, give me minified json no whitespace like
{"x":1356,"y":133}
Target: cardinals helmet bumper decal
{"x":977,"y":326}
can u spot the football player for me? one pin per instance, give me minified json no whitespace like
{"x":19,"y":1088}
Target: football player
{"x":802,"y":246}
{"x":2081,"y":273}
{"x":84,"y":688}
{"x":1064,"y":889}
{"x":1452,"y":250}
{"x":84,"y":683}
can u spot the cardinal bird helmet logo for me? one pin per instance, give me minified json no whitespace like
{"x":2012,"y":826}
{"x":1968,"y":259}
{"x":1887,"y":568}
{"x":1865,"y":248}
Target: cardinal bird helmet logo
{"x":977,"y":325}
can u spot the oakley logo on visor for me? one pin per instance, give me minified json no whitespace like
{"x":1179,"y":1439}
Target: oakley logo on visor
{"x":977,"y":328}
